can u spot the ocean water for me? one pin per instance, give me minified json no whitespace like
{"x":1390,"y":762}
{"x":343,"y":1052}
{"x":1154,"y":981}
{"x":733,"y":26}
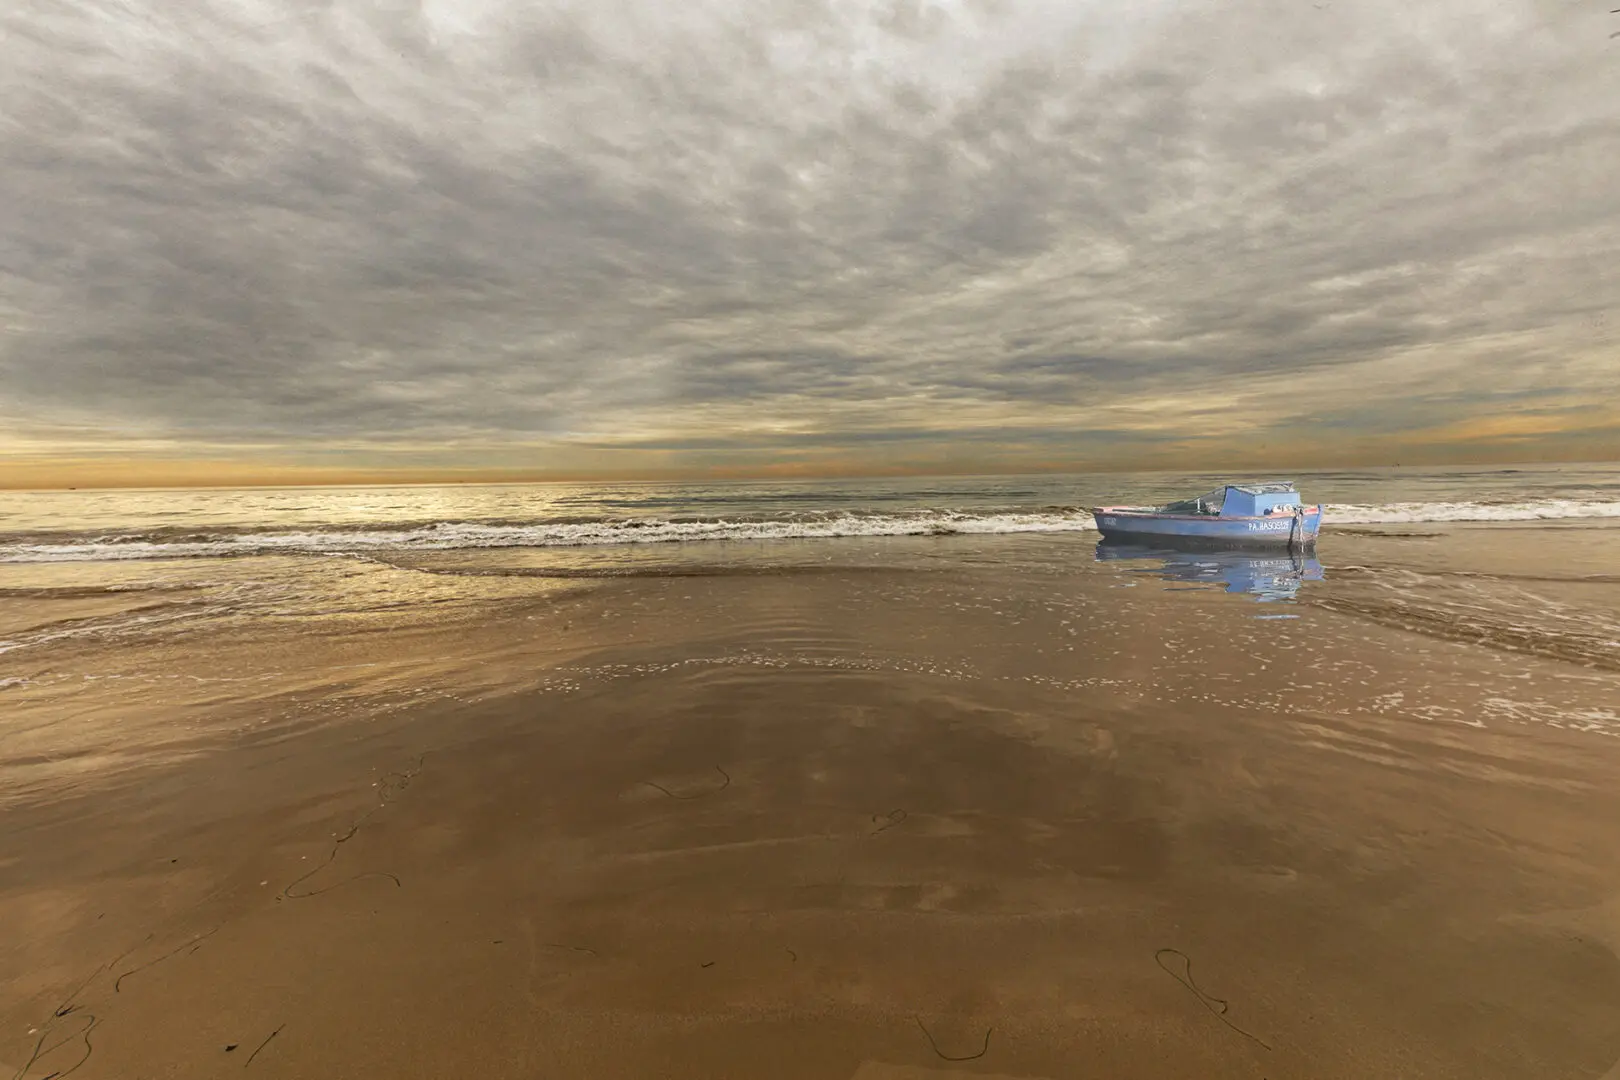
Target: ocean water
{"x":1509,"y":567}
{"x":92,"y":526}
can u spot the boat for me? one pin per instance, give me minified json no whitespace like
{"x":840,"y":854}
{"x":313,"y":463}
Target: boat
{"x":1267,"y":575}
{"x":1268,"y":514}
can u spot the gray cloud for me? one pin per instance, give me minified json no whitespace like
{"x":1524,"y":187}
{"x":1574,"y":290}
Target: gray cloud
{"x":390,"y":220}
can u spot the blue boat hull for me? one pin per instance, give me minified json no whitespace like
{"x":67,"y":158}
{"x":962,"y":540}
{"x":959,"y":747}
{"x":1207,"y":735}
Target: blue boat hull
{"x":1272,"y":531}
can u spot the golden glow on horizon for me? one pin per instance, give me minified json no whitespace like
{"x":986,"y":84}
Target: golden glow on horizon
{"x":1495,"y":441}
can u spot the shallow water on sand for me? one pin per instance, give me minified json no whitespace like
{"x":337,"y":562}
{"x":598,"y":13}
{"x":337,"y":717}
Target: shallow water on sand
{"x":875,"y":807}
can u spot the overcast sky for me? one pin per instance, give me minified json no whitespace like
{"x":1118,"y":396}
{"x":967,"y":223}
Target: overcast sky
{"x":819,"y":234}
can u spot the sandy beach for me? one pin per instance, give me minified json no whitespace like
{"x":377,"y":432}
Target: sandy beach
{"x":571,"y":540}
{"x":918,"y":810}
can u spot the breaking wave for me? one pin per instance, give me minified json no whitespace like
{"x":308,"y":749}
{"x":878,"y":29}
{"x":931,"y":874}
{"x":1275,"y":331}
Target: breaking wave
{"x":453,"y":535}
{"x":586,"y":532}
{"x":1529,"y":510}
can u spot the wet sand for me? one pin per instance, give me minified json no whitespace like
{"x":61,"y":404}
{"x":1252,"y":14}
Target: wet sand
{"x":999,"y":812}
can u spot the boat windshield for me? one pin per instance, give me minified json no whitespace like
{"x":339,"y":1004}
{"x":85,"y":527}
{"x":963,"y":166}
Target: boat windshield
{"x":1204,"y":504}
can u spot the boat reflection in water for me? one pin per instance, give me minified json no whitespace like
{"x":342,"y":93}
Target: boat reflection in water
{"x":1270,"y":575}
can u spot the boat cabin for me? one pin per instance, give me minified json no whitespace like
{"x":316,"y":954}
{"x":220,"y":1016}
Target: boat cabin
{"x":1241,"y":500}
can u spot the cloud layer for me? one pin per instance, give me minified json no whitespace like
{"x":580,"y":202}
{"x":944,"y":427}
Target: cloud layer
{"x":709,"y":231}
